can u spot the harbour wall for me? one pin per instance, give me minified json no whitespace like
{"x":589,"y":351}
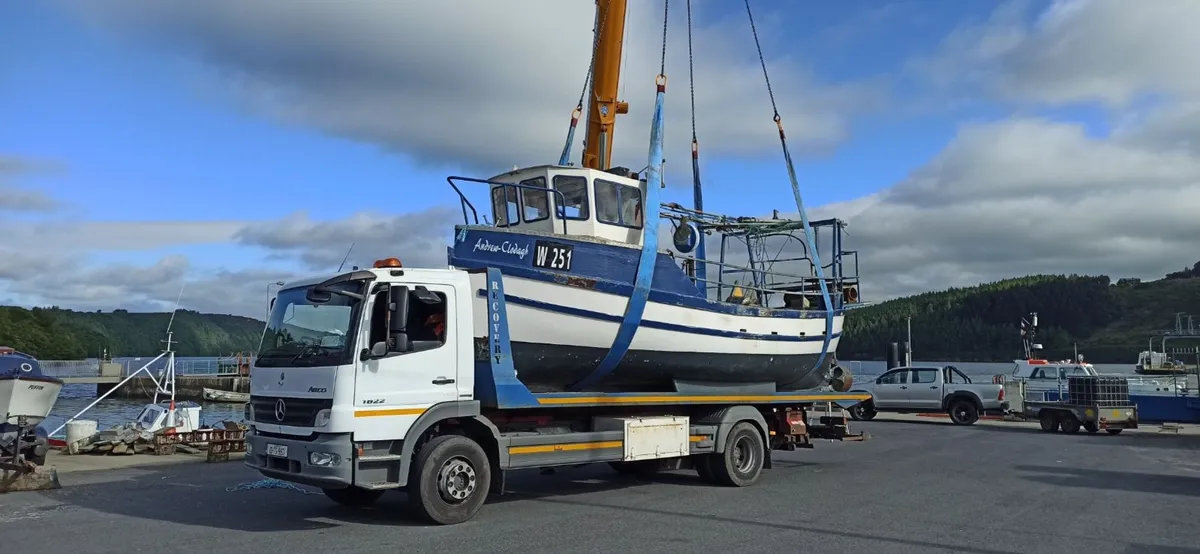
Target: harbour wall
{"x":187,"y":387}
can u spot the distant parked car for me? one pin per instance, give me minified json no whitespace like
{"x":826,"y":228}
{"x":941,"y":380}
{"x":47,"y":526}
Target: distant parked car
{"x":930,"y":389}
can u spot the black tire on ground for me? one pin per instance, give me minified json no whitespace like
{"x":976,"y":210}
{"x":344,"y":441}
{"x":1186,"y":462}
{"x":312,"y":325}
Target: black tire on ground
{"x":963,"y":412}
{"x":1070,"y":424}
{"x":450,"y":479}
{"x":742,"y":462}
{"x":1049,"y":421}
{"x":354,"y":497}
{"x":863,"y":411}
{"x":1091,"y":426}
{"x":1113,"y":431}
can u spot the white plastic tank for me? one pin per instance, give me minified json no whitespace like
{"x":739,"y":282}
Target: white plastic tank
{"x":77,"y":431}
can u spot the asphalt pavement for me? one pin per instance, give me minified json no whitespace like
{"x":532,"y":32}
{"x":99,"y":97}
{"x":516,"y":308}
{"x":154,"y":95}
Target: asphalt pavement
{"x":911,"y":487}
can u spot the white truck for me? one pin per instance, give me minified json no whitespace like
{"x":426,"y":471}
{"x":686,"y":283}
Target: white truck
{"x":354,"y":394}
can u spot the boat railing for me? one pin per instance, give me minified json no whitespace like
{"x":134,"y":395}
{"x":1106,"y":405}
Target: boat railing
{"x":560,"y":201}
{"x":795,"y":284}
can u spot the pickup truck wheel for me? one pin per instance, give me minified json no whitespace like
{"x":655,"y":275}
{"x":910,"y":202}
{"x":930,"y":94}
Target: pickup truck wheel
{"x":742,"y":461}
{"x":1049,"y":421}
{"x":450,"y":480}
{"x":963,"y":412}
{"x":354,"y":497}
{"x":863,"y":411}
{"x":1113,"y":431}
{"x":1091,"y":426}
{"x":1070,"y":424}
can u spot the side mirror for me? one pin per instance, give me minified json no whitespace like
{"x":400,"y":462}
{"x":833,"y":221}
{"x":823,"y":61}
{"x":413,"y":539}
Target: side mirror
{"x":317,"y":296}
{"x":398,"y":317}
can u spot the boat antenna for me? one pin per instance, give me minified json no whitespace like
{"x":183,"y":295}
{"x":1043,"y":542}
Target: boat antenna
{"x":347,"y":257}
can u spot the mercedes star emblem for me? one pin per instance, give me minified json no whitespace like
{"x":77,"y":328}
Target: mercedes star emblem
{"x":280,"y":410}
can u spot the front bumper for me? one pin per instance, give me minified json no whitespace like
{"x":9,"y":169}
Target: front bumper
{"x":296,"y":466}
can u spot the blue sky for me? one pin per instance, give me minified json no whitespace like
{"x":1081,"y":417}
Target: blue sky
{"x":143,"y":131}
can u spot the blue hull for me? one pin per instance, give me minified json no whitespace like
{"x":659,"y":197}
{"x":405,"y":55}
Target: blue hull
{"x":1157,"y":409}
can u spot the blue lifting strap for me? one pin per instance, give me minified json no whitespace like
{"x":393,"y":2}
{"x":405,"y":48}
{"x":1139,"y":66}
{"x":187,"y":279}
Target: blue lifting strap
{"x":645,"y":271}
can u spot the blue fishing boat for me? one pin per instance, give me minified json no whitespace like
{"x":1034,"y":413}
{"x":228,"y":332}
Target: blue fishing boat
{"x":595,"y":303}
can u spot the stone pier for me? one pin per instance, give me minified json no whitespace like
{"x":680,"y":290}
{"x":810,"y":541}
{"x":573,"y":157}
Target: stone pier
{"x":187,"y":387}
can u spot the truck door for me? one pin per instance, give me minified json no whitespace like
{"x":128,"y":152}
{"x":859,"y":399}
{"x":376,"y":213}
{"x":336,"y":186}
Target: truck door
{"x":891,"y":389}
{"x":391,"y":392}
{"x":925,"y":391}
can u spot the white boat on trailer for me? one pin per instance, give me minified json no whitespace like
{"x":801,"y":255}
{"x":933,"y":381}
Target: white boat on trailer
{"x":26,"y":398}
{"x":594,"y":303}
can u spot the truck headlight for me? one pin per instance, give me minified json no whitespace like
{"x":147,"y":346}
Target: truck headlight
{"x":322,"y":419}
{"x":324,"y":459}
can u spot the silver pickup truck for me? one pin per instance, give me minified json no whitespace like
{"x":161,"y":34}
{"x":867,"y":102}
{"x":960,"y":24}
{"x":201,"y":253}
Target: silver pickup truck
{"x":930,"y":389}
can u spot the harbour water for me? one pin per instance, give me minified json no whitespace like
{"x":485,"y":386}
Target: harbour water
{"x":116,"y":411}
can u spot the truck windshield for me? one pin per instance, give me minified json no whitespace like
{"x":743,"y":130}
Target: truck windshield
{"x":303,"y":334}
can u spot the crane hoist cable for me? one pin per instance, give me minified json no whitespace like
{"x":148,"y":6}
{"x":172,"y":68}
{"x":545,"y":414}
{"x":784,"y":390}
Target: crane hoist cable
{"x":808,"y":231}
{"x":565,"y":157}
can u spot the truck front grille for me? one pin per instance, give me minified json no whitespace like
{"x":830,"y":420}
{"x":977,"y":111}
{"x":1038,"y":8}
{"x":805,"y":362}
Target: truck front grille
{"x":296,"y":412}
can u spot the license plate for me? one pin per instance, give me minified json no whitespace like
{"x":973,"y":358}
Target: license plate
{"x":277,"y":450}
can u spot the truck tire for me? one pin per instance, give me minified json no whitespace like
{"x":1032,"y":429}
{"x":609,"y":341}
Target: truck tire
{"x":1070,"y":424}
{"x":1091,"y":426}
{"x":742,"y":461}
{"x":1049,"y":421}
{"x":450,"y":479}
{"x":355,"y":497}
{"x":963,"y":412}
{"x":1113,"y":431}
{"x":863,"y":411}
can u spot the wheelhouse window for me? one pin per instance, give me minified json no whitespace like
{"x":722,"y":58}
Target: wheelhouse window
{"x":505,"y":210}
{"x":574,"y":202}
{"x":535,"y":203}
{"x":618,"y":204}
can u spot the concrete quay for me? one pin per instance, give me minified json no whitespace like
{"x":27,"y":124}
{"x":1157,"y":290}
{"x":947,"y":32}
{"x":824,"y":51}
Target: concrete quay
{"x":187,"y":387}
{"x":989,"y":488}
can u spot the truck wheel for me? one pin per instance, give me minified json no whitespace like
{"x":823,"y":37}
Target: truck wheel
{"x":1070,"y":424}
{"x":742,"y":461}
{"x":1049,"y":421}
{"x":963,"y":412}
{"x":450,"y":480}
{"x":1113,"y":431}
{"x":863,"y":411}
{"x":355,"y":497}
{"x":1091,"y":426}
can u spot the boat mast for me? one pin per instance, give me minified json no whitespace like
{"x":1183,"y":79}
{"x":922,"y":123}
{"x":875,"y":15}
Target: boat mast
{"x":604,"y":106}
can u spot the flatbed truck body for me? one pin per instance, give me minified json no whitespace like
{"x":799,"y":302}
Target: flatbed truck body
{"x":448,"y":426}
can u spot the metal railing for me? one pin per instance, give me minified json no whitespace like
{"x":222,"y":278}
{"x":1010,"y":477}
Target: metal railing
{"x":91,"y":368}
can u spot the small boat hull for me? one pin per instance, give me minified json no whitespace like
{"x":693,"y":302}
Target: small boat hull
{"x":216,"y":395}
{"x":29,"y":397}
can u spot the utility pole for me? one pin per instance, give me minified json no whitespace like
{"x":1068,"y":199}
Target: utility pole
{"x":908,"y":351}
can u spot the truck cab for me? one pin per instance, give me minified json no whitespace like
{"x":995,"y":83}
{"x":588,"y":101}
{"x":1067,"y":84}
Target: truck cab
{"x":365,"y":353}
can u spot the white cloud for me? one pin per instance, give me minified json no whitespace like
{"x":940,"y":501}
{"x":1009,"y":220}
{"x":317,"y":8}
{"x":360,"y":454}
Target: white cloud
{"x":17,"y":198}
{"x":491,"y":90}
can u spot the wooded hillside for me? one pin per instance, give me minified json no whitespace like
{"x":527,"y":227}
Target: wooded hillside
{"x":1110,"y":322}
{"x":57,"y":334}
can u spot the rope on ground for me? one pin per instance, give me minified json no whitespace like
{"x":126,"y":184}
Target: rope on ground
{"x":269,"y":484}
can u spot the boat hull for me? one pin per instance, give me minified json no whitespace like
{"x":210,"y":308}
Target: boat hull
{"x":561,"y":326}
{"x":29,"y":397}
{"x":215,"y":395}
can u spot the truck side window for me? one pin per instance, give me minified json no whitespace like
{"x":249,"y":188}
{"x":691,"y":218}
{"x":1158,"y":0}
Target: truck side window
{"x":924,"y":376}
{"x":893,"y":378}
{"x":428,"y":321}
